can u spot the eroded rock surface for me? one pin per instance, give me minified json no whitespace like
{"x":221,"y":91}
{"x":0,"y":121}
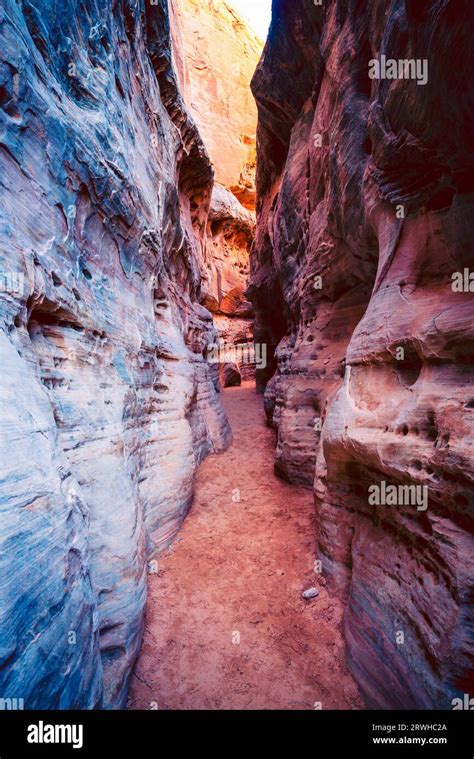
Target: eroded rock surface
{"x":230,"y":375}
{"x":107,"y":404}
{"x":230,"y":233}
{"x":364,"y":214}
{"x":217,"y":54}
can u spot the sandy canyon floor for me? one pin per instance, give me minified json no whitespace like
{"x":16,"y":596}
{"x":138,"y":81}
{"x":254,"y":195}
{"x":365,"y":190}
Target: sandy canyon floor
{"x":226,"y":626}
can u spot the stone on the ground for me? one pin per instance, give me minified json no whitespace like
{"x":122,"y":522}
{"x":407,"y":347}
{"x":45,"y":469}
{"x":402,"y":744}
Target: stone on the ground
{"x":310,"y":593}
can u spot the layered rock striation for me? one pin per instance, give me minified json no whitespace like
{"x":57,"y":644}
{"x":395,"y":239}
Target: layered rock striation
{"x":230,"y":234}
{"x":364,"y":215}
{"x":107,"y":402}
{"x":216,"y":54}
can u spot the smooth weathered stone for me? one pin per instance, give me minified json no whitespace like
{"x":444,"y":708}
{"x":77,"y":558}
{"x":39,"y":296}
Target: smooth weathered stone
{"x":364,"y":212}
{"x":107,"y":403}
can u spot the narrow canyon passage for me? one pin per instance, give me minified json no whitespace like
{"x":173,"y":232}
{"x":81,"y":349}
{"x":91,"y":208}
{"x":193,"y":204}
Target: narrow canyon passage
{"x":188,"y":203}
{"x":226,"y":626}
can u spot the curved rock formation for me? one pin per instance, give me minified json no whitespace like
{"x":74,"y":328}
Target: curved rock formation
{"x":217,"y":55}
{"x":364,"y":216}
{"x":230,"y":375}
{"x":230,"y":233}
{"x":107,"y":404}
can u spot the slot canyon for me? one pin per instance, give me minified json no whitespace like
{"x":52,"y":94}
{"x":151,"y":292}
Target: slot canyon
{"x":227,"y":316}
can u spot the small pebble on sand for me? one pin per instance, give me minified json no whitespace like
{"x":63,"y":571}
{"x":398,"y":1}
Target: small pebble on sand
{"x":310,"y":593}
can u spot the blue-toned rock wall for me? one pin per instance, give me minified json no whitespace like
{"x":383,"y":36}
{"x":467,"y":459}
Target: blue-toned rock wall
{"x":107,"y":405}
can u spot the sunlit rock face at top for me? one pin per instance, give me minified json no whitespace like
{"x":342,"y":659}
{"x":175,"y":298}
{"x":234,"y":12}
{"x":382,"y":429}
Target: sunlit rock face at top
{"x":216,"y":54}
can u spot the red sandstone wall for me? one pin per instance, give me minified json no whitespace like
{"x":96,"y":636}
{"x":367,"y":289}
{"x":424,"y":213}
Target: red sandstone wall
{"x":367,"y":185}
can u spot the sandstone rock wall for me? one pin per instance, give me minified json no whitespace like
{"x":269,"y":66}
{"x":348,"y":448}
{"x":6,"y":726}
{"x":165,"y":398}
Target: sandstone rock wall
{"x":364,"y":213}
{"x":216,"y":54}
{"x":107,"y":404}
{"x":230,"y":234}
